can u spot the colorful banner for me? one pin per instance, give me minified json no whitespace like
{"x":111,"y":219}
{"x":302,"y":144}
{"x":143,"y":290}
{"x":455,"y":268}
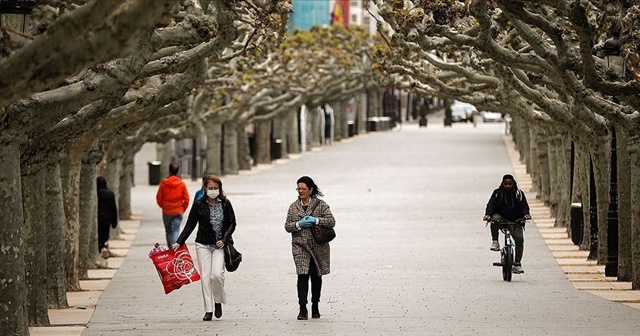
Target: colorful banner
{"x":340,"y":13}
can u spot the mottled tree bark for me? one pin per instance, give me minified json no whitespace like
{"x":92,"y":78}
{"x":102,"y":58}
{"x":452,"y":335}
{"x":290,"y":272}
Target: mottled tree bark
{"x":624,"y":205}
{"x":214,"y":152}
{"x":602,"y":172}
{"x":35,"y":242}
{"x":634,"y":160}
{"x":262,"y":154}
{"x":13,"y":294}
{"x":126,"y":183}
{"x":292,"y":132}
{"x":230,"y":149}
{"x":88,"y":214}
{"x":70,"y":174}
{"x":56,"y":239}
{"x":279,"y":132}
{"x":341,"y":129}
{"x":563,"y":215}
{"x":553,"y":144}
{"x":543,"y":164}
{"x":244,"y":151}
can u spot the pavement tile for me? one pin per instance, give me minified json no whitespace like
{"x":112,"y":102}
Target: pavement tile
{"x":85,"y":298}
{"x":56,"y":331}
{"x":71,"y":316}
{"x":94,"y":285}
{"x":629,"y":296}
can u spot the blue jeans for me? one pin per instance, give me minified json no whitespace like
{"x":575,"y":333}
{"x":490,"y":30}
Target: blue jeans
{"x":172,"y":228}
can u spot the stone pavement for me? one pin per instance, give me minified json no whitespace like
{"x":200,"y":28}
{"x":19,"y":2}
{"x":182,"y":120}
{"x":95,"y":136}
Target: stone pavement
{"x":411,"y":255}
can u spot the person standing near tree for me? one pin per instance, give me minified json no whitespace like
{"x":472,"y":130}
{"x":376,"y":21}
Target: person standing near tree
{"x":107,"y":215}
{"x":173,"y":199}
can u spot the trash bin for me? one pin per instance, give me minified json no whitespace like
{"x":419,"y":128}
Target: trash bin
{"x":276,"y":149}
{"x":351,"y":128}
{"x":576,"y":223}
{"x":154,"y":172}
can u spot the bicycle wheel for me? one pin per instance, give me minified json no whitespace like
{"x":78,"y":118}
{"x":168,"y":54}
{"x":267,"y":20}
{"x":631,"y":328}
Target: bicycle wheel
{"x":507,"y":266}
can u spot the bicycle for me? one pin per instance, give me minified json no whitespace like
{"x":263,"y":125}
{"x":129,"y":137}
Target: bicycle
{"x":507,"y":253}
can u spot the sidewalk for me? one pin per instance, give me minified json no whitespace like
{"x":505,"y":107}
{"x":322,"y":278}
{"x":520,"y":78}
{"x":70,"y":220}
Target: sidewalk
{"x":582,"y":273}
{"x":73,"y":320}
{"x":393,"y":271}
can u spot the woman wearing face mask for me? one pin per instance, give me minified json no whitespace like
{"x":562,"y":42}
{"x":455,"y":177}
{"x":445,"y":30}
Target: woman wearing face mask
{"x":216,"y":223}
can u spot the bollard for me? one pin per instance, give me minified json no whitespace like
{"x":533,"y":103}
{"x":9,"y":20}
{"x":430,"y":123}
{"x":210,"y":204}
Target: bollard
{"x":576,"y":223}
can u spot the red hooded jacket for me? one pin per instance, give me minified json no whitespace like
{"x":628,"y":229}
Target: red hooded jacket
{"x":173,"y":196}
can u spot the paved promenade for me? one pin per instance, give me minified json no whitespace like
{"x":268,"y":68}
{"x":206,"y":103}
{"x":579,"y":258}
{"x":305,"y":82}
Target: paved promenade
{"x":411,"y":257}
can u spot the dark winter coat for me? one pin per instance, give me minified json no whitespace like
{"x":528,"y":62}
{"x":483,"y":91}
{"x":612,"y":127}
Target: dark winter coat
{"x":511,"y":205}
{"x":107,"y":210}
{"x":199,"y":214}
{"x":303,"y":245}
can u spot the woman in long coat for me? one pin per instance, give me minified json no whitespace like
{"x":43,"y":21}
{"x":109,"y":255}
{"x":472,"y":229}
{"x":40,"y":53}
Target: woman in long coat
{"x":312,"y":259}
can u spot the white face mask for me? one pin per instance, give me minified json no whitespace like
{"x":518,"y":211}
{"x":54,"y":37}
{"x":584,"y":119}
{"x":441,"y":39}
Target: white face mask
{"x":213,"y":193}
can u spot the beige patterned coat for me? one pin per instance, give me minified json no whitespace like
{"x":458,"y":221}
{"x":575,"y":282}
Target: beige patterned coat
{"x":303,"y":245}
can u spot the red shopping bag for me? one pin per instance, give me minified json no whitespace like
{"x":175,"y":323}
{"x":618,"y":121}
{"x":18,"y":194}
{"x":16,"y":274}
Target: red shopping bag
{"x":175,"y":268}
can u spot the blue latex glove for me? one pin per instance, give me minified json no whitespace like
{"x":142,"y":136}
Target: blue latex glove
{"x":303,"y":223}
{"x":311,"y":219}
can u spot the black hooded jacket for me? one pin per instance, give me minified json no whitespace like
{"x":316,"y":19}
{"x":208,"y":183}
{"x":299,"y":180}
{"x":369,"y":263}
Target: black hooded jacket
{"x":511,"y":205}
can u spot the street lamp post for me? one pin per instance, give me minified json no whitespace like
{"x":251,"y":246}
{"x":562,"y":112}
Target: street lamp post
{"x":616,"y":64}
{"x":14,"y":13}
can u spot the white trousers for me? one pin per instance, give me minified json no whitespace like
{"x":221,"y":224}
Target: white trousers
{"x":211,"y":264}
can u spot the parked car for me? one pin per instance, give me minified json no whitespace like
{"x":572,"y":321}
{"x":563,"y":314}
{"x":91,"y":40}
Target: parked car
{"x":488,"y":116}
{"x":462,"y":112}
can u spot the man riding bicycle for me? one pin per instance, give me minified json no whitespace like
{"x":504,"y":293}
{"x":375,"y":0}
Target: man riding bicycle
{"x":508,"y":203}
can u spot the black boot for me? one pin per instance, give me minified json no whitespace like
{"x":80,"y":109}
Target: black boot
{"x":303,"y":314}
{"x":316,"y":290}
{"x":315,"y":312}
{"x":218,"y":310}
{"x":303,"y":291}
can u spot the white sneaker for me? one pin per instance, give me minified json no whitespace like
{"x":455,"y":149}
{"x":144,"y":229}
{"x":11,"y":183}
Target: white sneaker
{"x":517,"y":269}
{"x":104,"y":253}
{"x":495,"y":246}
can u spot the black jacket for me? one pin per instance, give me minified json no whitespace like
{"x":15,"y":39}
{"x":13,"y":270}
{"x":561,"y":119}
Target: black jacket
{"x":107,"y":210}
{"x":511,"y":205}
{"x":200,"y":214}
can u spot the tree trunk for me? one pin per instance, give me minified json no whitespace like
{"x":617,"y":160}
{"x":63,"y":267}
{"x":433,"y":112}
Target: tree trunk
{"x":553,"y":145}
{"x":280,"y":133}
{"x":362,"y":112}
{"x":56,"y":239}
{"x":581,"y":190}
{"x":602,"y":172}
{"x":341,"y":128}
{"x":13,"y":294}
{"x":244,"y":151}
{"x":70,"y":174}
{"x":543,"y":164}
{"x":112,"y":175}
{"x":126,"y":183}
{"x":230,"y":149}
{"x":624,"y":206}
{"x":262,"y":154}
{"x":633,"y":146}
{"x":563,"y":215}
{"x":292,"y":132}
{"x":534,"y":162}
{"x":213,"y":153}
{"x":88,"y":212}
{"x":35,"y":238}
{"x":314,"y":128}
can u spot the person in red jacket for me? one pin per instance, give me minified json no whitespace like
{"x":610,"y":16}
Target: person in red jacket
{"x":173,"y":199}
